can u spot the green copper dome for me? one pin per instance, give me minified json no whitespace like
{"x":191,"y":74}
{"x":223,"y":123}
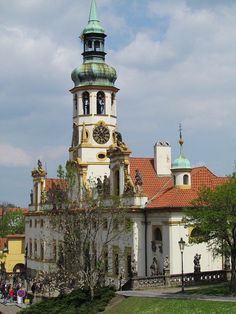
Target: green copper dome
{"x":94,"y":25}
{"x":181,"y":163}
{"x":94,"y":73}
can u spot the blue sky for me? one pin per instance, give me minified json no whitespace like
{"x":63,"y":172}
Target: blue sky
{"x":176,"y":62}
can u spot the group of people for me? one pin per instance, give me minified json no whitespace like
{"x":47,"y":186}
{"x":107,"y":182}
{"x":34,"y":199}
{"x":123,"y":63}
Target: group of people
{"x":8,"y":293}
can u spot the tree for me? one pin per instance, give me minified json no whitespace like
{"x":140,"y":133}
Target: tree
{"x":12,"y":222}
{"x":213,"y":215}
{"x":85,"y":230}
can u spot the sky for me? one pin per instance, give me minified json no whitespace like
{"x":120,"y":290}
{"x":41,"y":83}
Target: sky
{"x":176,"y":63}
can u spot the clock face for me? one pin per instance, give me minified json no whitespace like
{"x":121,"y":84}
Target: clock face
{"x":101,"y":134}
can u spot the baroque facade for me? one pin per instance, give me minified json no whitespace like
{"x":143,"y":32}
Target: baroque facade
{"x":155,"y":189}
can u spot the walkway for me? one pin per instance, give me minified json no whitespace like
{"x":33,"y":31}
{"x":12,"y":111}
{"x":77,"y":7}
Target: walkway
{"x":174,"y":293}
{"x":9,"y":309}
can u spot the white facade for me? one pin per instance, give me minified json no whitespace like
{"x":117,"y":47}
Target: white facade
{"x":155,"y":231}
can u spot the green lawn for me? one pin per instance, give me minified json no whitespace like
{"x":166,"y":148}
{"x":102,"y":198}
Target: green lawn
{"x":216,"y":289}
{"x":151,"y":306}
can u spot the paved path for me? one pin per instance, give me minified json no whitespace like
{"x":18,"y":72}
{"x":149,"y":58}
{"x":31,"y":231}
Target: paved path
{"x":9,"y":309}
{"x":174,"y":293}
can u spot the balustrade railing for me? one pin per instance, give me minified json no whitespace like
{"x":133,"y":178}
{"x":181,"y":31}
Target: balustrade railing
{"x":175,"y":280}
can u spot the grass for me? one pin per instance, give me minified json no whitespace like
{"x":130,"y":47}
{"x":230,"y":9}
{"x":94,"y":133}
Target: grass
{"x":216,"y":289}
{"x":153,"y":306}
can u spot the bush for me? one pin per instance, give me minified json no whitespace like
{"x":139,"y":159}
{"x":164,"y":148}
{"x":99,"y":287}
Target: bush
{"x":78,"y":301}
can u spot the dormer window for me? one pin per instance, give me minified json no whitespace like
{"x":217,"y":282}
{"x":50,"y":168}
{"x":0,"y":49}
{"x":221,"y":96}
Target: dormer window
{"x":185,"y":179}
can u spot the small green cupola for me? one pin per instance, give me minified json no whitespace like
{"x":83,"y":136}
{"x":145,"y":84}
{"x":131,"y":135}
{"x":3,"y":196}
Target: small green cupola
{"x":94,"y":70}
{"x":181,"y":167}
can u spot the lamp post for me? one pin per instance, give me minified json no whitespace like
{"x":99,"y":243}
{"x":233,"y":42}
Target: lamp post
{"x":181,"y":247}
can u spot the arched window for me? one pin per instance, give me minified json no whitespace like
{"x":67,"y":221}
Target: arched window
{"x":90,"y":44}
{"x":157,"y":234}
{"x":195,"y":235}
{"x":117,"y":183}
{"x":86,"y":103}
{"x":76,"y":102}
{"x":100,"y":103}
{"x":97,"y":45}
{"x":185,"y":179}
{"x":112,"y":102}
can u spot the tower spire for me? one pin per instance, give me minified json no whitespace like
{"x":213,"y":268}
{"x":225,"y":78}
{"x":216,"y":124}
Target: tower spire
{"x":181,"y":141}
{"x":93,"y":16}
{"x":94,"y":25}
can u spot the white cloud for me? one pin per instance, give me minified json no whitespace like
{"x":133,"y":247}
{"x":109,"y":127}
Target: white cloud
{"x":52,"y":153}
{"x":13,"y":156}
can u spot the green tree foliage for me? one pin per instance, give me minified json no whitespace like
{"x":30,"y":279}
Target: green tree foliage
{"x":85,"y":227}
{"x":213,"y":215}
{"x":12,"y":222}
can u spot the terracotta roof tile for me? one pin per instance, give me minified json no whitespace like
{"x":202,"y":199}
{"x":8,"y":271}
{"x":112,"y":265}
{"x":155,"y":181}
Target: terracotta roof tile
{"x":24,"y":210}
{"x":161,"y":191}
{"x":55,"y":183}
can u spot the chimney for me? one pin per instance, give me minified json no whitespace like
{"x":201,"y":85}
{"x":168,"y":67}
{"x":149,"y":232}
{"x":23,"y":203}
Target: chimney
{"x":162,"y":158}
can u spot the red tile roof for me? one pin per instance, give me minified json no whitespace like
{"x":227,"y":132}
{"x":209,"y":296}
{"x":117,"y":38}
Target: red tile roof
{"x":24,"y":210}
{"x":161,"y":191}
{"x":55,"y":183}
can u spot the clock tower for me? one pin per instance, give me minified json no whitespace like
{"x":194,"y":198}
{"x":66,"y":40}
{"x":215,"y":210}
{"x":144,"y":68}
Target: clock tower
{"x":94,"y":104}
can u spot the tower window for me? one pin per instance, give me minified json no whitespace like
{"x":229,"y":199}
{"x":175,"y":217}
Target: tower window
{"x":76,"y":102}
{"x":86,"y":103}
{"x":185,"y":179}
{"x":90,"y":44}
{"x":96,"y":45}
{"x":100,"y":103}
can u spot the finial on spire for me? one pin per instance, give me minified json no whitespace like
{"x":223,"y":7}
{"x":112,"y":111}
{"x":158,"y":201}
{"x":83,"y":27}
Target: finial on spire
{"x":93,"y":16}
{"x":181,"y":141}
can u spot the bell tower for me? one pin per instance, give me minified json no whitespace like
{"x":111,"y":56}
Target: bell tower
{"x":94,"y":103}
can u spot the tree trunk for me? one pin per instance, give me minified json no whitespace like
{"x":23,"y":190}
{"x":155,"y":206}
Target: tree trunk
{"x":233,"y":271}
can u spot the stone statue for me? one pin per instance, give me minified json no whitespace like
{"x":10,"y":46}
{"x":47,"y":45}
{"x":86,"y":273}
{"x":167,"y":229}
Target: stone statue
{"x":129,"y":186}
{"x":43,"y":197}
{"x":75,"y":136}
{"x":154,"y":267}
{"x":138,"y":181}
{"x":40,"y":166}
{"x":197,"y":266}
{"x":86,"y":106}
{"x":119,"y":142}
{"x":99,"y":186}
{"x":166,"y":263}
{"x":100,"y":104}
{"x":106,"y":185}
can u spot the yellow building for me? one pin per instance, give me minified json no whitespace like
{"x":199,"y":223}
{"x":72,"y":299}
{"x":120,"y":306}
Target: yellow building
{"x":13,"y":257}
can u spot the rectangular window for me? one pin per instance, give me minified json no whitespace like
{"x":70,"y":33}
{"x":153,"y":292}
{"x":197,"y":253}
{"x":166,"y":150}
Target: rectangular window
{"x":115,"y":261}
{"x":30,"y":248}
{"x":35,"y":249}
{"x":41,"y":251}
